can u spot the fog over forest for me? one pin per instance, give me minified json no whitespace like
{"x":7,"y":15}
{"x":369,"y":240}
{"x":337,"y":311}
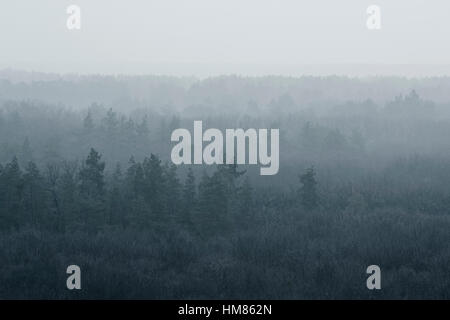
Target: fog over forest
{"x":86,"y":177}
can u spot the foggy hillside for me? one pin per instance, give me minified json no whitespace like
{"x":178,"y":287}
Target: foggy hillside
{"x":86,"y":177}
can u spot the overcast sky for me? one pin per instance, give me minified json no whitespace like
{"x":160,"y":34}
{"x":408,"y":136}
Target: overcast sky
{"x":209,"y":37}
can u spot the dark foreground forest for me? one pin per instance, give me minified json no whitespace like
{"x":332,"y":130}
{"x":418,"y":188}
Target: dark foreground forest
{"x":86,"y":179}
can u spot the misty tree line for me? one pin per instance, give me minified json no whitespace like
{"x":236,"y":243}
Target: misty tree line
{"x":42,"y":188}
{"x":361,"y":181}
{"x":68,"y":195}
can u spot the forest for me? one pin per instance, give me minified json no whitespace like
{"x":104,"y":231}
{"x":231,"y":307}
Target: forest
{"x":86,"y":179}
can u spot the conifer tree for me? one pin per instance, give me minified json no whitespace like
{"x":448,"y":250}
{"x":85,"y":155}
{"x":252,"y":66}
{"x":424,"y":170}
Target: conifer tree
{"x":92,"y":189}
{"x":34,"y":197}
{"x":11,"y":192}
{"x":308,"y":193}
{"x":189,"y":198}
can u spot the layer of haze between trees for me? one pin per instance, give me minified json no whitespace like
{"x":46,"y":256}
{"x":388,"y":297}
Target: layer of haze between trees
{"x":86,"y":179}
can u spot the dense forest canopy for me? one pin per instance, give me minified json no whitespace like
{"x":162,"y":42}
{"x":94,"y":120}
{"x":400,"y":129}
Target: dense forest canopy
{"x":85,"y":176}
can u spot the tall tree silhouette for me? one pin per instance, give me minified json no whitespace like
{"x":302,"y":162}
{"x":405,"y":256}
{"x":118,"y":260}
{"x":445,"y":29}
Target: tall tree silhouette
{"x":91,"y":175}
{"x":308,"y":192}
{"x":189,"y":198}
{"x":11,"y":189}
{"x":92,"y":189}
{"x":34,"y":195}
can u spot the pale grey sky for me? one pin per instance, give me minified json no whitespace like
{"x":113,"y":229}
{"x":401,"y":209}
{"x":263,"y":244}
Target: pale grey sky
{"x":210,"y":37}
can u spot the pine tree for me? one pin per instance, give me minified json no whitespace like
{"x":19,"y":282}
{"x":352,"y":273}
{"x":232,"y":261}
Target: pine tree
{"x":142,"y":129}
{"x":11,"y":193}
{"x":88,"y":123}
{"x":135,"y":179}
{"x":34,"y":197}
{"x":91,"y":175}
{"x":212,"y":204}
{"x":52,"y":177}
{"x":308,"y":193}
{"x":172,"y":189}
{"x":111,"y":122}
{"x":154,"y":184}
{"x":189,"y":198}
{"x":26,"y":154}
{"x":115,"y":200}
{"x":92,"y":189}
{"x":68,"y":194}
